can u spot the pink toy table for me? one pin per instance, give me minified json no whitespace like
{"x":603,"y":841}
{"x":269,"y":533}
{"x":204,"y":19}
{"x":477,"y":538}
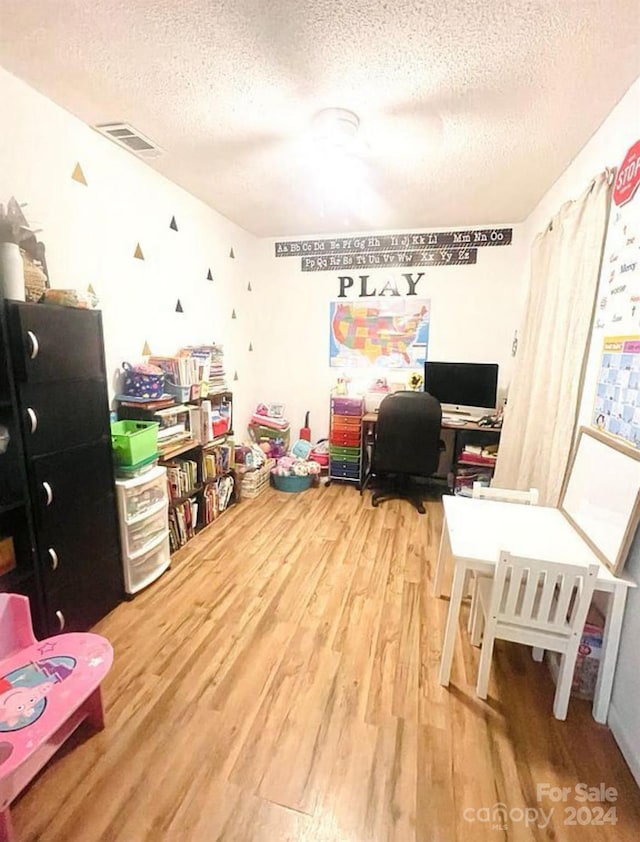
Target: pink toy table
{"x":46,"y":690}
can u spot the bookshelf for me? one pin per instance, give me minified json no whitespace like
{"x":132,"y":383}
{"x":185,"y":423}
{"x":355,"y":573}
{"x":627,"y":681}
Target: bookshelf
{"x":201,"y":477}
{"x":474,"y":458}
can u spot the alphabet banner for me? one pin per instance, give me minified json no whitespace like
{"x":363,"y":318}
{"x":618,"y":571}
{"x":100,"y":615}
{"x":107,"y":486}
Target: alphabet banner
{"x":389,"y":333}
{"x":423,"y":248}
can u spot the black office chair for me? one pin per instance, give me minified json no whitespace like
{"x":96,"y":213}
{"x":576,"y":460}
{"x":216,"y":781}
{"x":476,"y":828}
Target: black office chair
{"x":407,"y":445}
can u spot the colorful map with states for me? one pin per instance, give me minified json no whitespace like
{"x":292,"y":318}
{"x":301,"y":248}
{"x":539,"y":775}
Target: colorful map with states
{"x":380,"y":332}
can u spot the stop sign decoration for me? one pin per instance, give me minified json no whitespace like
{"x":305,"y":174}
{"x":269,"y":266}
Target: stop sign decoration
{"x":628,"y":176}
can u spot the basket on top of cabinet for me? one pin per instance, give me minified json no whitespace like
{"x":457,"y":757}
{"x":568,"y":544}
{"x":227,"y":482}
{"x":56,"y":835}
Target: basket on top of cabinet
{"x":345,"y":439}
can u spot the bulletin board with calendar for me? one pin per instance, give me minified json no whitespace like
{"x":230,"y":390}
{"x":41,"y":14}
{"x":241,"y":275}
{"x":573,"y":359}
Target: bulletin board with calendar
{"x":616,"y":403}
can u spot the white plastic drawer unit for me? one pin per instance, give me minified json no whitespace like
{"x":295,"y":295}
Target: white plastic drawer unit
{"x":142,"y":496}
{"x":143,"y":533}
{"x":141,"y":571}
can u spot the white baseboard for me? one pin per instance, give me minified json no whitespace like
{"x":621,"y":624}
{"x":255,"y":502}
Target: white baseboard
{"x":617,"y":729}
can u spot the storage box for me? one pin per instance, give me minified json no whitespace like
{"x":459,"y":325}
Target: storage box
{"x":180,"y":393}
{"x":585,"y":674}
{"x":143,"y":570}
{"x":134,"y":441}
{"x":139,"y":496}
{"x":255,"y":482}
{"x":137,"y":469}
{"x":143,"y":381}
{"x":220,"y":426}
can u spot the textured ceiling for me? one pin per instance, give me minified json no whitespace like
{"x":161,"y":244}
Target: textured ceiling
{"x":469,"y":110}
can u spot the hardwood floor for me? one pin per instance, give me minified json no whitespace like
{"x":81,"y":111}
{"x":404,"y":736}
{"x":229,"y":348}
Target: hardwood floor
{"x":279,"y":684}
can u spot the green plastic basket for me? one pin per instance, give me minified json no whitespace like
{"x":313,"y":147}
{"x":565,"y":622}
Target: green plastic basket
{"x":133,"y":441}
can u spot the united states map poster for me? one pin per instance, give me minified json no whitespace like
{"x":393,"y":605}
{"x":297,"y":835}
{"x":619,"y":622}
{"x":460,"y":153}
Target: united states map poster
{"x":381,"y":332}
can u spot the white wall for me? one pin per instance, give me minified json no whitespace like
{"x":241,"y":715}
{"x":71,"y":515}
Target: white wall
{"x":90,"y":233}
{"x":607,"y":148}
{"x":475,"y":310}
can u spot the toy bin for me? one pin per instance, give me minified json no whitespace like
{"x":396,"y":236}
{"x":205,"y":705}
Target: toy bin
{"x":257,"y":432}
{"x":143,"y":381}
{"x":180,"y":393}
{"x":294,"y":483}
{"x":134,"y":441}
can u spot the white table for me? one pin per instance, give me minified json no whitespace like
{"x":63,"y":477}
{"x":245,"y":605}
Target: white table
{"x":476,"y":531}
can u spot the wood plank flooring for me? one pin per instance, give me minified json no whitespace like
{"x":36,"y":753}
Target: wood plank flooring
{"x":279,"y":684}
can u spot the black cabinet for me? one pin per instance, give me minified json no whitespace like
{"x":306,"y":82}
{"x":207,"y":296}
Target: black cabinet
{"x":62,"y":412}
{"x":18,"y":568}
{"x":56,"y":343}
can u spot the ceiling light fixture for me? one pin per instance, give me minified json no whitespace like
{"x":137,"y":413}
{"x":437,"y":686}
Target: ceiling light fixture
{"x":337,"y":128}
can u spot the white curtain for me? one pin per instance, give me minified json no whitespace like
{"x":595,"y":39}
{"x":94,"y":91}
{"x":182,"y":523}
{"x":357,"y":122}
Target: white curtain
{"x":543,"y":400}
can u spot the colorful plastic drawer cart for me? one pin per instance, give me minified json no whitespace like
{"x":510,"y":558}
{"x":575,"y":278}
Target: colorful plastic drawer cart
{"x":345,"y":439}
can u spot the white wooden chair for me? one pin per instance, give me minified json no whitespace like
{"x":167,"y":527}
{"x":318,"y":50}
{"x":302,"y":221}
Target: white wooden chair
{"x":539,"y":603}
{"x":504,"y":495}
{"x":484,"y":492}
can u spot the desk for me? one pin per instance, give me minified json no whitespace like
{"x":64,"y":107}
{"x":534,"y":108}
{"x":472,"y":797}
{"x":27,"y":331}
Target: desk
{"x":480,"y":435}
{"x":476,"y":531}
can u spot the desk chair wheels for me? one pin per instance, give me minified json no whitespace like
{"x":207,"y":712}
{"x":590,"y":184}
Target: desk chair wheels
{"x":399,"y":491}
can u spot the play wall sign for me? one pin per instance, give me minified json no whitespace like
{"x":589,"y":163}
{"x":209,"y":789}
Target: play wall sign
{"x":362,"y":286}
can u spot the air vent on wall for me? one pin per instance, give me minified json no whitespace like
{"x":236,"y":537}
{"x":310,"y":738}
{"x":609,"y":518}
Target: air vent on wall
{"x":125,"y":135}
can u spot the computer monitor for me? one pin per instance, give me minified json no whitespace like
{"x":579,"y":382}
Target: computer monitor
{"x":463,"y":388}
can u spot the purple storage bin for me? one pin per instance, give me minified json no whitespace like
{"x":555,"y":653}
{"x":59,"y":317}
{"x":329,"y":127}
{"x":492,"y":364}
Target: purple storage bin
{"x":143,"y":381}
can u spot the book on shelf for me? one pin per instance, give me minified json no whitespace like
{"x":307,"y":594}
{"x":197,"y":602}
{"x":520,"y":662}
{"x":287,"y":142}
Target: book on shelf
{"x":143,"y":403}
{"x":182,"y":477}
{"x":166,"y":433}
{"x":218,"y":459}
{"x":195,"y":423}
{"x":167,"y":445}
{"x":217,"y":496}
{"x":183,"y":520}
{"x":194,"y":365}
{"x":170,"y":411}
{"x":467,"y":456}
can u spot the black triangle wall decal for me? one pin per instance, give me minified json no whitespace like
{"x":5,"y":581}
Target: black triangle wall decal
{"x":251,"y":346}
{"x":231,"y":254}
{"x":249,"y":287}
{"x":173,"y":224}
{"x":235,"y":376}
{"x":179,"y":307}
{"x":209,"y":275}
{"x":233,"y":315}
